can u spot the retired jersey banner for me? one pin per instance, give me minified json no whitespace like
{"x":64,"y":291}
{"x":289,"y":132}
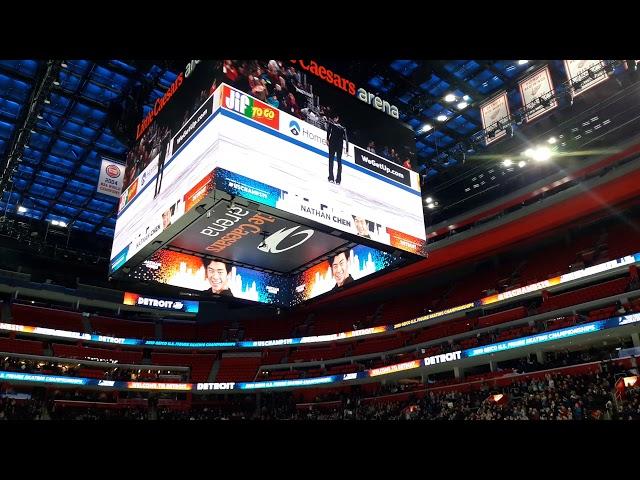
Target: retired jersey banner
{"x":536,"y":91}
{"x":586,"y":73}
{"x":111,"y":175}
{"x":491,"y":112}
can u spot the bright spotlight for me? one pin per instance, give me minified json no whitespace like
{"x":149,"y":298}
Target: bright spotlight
{"x":441,"y":118}
{"x":523,"y":62}
{"x":450,"y":98}
{"x":22,"y":209}
{"x":426,"y":127}
{"x":522,"y":163}
{"x":462,"y":105}
{"x":429,"y":199}
{"x":431,"y":206}
{"x":528,"y":152}
{"x":507,"y":162}
{"x":541,"y":154}
{"x":552,"y":140}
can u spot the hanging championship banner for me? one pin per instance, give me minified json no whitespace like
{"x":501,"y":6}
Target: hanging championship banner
{"x":492,"y":111}
{"x":111,"y":175}
{"x":536,"y":91}
{"x":584,"y":74}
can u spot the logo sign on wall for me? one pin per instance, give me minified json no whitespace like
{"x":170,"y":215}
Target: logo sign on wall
{"x":586,"y":73}
{"x":491,"y":112}
{"x":188,"y":306}
{"x":111,"y":175}
{"x":535,"y":90}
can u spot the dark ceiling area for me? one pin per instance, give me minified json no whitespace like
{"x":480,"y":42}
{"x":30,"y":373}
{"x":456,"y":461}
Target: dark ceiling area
{"x":59,"y":118}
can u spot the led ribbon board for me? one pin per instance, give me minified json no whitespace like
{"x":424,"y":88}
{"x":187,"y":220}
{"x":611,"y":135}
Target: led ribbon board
{"x":304,"y":382}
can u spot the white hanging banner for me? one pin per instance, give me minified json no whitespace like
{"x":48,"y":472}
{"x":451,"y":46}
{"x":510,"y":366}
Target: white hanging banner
{"x":492,"y":111}
{"x":536,"y":91}
{"x":111,"y":175}
{"x":588,"y":73}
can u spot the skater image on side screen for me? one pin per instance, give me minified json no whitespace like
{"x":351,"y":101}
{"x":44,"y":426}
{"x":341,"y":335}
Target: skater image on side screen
{"x":336,"y":134}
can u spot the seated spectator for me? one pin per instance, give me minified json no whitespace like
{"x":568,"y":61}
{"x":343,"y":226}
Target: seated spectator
{"x":371,"y":146}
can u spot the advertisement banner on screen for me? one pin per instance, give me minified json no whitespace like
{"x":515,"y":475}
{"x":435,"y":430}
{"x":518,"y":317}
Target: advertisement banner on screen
{"x":187,"y":306}
{"x":535,"y":91}
{"x":111,"y":177}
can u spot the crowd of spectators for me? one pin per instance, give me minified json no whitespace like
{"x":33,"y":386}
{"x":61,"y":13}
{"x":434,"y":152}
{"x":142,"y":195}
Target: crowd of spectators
{"x":554,"y":396}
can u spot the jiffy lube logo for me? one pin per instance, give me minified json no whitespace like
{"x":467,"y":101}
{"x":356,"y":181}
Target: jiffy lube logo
{"x":251,"y":108}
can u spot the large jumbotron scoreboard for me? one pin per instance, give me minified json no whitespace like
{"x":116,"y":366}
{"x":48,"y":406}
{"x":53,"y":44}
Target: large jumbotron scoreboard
{"x":226,"y":195}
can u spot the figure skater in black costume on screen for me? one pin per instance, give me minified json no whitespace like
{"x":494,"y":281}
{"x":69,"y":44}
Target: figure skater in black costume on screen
{"x":336,"y":134}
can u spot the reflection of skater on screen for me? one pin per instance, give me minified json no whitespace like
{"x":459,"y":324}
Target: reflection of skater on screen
{"x":336,"y":134}
{"x":164,"y":149}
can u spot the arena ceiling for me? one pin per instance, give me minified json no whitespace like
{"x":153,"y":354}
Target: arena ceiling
{"x":57,"y":121}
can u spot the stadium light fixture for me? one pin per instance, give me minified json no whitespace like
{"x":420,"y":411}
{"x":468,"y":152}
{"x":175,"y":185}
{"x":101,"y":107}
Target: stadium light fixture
{"x":22,"y":209}
{"x":431,"y":206}
{"x":425,"y":128}
{"x":450,"y":98}
{"x":552,"y":140}
{"x":523,"y":62}
{"x":522,"y":163}
{"x":441,"y":118}
{"x":462,"y":105}
{"x":429,"y":199}
{"x":507,"y":162}
{"x":541,"y":154}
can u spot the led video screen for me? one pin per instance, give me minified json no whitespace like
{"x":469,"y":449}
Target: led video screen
{"x":339,"y":270}
{"x":213,"y":277}
{"x":205,"y":135}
